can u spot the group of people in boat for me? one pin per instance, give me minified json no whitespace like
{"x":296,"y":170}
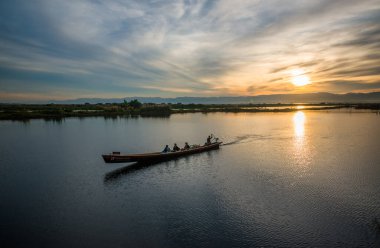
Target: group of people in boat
{"x":176,"y":148}
{"x":186,"y":147}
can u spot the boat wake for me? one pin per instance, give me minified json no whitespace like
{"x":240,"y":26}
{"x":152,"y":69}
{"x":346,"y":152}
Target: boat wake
{"x":245,"y":139}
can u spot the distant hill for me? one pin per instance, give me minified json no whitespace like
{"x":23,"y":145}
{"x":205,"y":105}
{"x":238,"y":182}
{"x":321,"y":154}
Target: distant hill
{"x":373,"y":97}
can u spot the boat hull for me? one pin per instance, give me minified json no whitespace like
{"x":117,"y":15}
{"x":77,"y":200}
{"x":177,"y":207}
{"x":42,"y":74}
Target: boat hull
{"x":157,"y":156}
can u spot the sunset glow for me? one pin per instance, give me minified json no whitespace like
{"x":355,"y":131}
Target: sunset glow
{"x":171,"y":48}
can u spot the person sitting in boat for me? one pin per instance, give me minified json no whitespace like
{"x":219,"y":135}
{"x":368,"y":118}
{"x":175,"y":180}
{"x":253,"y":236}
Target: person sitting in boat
{"x":176,"y":148}
{"x":166,"y":149}
{"x":208,"y":142}
{"x":186,"y":147}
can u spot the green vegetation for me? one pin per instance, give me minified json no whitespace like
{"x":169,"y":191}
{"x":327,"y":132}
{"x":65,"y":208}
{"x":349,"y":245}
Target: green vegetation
{"x":135,"y":104}
{"x":136,"y":108}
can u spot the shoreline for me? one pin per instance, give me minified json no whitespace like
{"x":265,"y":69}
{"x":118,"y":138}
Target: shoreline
{"x":58,"y":111}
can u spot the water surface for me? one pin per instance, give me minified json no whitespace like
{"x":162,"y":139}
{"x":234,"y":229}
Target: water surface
{"x":282,"y":180}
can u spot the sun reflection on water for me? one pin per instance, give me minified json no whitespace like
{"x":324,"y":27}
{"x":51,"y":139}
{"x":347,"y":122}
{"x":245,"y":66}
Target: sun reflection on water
{"x":299,"y":124}
{"x":301,"y":150}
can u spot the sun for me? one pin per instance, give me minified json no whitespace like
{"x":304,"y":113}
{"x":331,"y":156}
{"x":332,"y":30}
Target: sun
{"x":299,"y":78}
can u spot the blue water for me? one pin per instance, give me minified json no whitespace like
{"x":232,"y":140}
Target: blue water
{"x":304,"y":179}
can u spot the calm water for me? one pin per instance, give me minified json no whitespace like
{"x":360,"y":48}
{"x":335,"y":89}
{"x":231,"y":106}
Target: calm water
{"x":284,"y":180}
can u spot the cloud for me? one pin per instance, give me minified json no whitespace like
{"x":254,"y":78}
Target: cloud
{"x":351,"y":86}
{"x":268,"y":89}
{"x":197,"y":47}
{"x":175,"y":90}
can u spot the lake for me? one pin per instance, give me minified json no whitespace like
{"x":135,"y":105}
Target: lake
{"x":300,"y":179}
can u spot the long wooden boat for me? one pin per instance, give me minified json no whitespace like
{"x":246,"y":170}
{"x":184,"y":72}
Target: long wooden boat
{"x":116,"y":157}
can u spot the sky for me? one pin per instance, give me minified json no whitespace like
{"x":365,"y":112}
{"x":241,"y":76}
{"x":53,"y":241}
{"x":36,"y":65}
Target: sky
{"x":54,"y":49}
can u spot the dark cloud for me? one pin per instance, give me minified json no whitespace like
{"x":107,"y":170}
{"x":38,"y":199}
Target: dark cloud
{"x":344,"y":85}
{"x":25,"y":25}
{"x":365,"y":35}
{"x":359,"y":72}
